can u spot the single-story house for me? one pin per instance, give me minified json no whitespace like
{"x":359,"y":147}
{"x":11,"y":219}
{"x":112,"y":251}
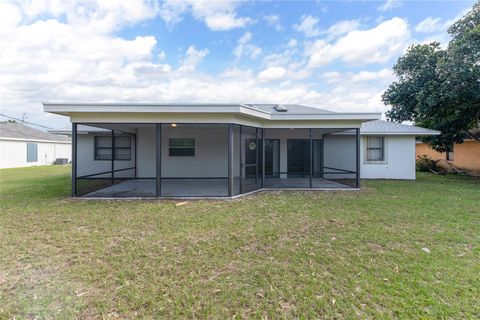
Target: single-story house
{"x":23,"y":146}
{"x":463,"y":156}
{"x":224,"y":150}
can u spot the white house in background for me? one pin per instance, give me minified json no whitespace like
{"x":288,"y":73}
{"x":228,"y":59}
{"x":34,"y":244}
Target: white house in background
{"x":225,"y":150}
{"x":22,"y":146}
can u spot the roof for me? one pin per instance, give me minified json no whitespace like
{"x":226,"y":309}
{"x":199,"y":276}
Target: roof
{"x":17,"y":131}
{"x":382,"y":127}
{"x":80,"y":129}
{"x":291,"y":108}
{"x":259,"y":111}
{"x":475,"y":133}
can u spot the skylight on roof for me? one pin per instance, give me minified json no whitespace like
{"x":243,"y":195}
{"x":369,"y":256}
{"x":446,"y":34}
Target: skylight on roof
{"x":280,"y":108}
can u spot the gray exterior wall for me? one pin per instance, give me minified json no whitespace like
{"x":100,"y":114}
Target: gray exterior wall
{"x":211,"y":158}
{"x":86,"y":163}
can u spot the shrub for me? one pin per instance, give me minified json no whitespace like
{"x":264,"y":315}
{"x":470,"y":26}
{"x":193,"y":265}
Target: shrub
{"x":425,"y":163}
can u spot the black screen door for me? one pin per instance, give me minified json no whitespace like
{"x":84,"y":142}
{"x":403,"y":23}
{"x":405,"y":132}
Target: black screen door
{"x":251,"y":157}
{"x":298,"y":158}
{"x":272,"y":158}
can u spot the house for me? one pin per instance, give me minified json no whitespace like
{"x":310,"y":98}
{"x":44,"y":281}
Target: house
{"x":463,"y":156}
{"x":22,"y":146}
{"x":224,"y":150}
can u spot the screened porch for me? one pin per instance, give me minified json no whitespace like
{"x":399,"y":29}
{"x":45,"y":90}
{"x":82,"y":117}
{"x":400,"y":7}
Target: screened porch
{"x":194,"y":160}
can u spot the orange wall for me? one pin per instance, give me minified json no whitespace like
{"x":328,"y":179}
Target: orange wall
{"x":466,"y":155}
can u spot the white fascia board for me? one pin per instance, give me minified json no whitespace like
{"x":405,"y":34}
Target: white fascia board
{"x":245,"y":110}
{"x":410,"y":133}
{"x":62,"y":132}
{"x":34,"y":140}
{"x":362,"y":117}
{"x":67,"y":109}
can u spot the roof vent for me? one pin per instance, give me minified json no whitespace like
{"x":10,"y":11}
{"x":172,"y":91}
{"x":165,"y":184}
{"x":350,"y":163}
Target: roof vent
{"x":280,"y":108}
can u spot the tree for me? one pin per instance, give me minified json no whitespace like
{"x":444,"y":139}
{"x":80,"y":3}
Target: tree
{"x":440,"y":88}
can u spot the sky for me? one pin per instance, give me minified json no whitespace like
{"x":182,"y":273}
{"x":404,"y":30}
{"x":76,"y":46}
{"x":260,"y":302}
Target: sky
{"x":336,"y":55}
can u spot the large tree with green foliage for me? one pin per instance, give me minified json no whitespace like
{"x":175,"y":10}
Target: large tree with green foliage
{"x":440,"y":88}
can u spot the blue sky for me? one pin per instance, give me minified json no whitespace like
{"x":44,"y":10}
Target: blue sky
{"x":331,"y":54}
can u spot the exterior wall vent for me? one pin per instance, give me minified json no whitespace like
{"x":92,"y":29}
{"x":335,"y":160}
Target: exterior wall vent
{"x":280,"y":108}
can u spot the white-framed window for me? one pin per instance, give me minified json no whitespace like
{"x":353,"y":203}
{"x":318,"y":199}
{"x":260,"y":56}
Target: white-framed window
{"x":181,"y":147}
{"x":32,"y":152}
{"x":375,"y":149}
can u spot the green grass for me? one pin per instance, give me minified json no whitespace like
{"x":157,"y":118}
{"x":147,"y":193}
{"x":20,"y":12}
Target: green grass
{"x":269,"y":255}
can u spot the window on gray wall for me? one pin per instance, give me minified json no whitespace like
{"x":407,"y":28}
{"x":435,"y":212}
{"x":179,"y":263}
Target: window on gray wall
{"x":181,"y":147}
{"x":103,"y":148}
{"x":375,"y":149}
{"x":32,"y":152}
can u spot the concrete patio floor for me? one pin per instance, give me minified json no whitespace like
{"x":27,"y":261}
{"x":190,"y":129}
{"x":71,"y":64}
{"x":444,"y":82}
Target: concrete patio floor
{"x":203,"y":187}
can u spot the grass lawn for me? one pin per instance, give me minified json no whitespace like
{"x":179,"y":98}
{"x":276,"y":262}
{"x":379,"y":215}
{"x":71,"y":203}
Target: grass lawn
{"x":397,"y":249}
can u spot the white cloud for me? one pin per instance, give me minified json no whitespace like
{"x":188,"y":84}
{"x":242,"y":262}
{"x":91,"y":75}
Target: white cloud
{"x":247,"y":36}
{"x":429,"y":25}
{"x":389,"y":5}
{"x":192,"y":59}
{"x":104,"y":16}
{"x":292,"y":43}
{"x":308,"y":26}
{"x":10,"y":16}
{"x":217,"y":15}
{"x":77,"y":55}
{"x":436,"y":29}
{"x":244,"y":48}
{"x":383,"y":76}
{"x":161,"y":55}
{"x":234,"y":72}
{"x":272,"y":73}
{"x":226,"y":21}
{"x":273,"y":21}
{"x":376,"y":45}
{"x":342,"y":27}
{"x":172,"y":11}
{"x":332,"y":76}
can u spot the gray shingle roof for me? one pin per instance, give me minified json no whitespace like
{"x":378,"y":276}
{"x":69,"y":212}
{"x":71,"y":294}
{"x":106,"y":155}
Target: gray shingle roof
{"x":392,"y":128}
{"x":475,"y":133}
{"x":80,"y":128}
{"x":291,"y":109}
{"x":19,"y":131}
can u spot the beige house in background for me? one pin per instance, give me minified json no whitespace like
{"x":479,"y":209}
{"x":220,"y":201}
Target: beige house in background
{"x":465,"y":156}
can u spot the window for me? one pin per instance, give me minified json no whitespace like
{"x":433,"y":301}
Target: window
{"x":181,"y":147}
{"x":375,"y":149}
{"x":32,"y":152}
{"x":103,"y":148}
{"x":450,"y":156}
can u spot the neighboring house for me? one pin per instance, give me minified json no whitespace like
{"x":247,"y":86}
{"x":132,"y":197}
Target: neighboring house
{"x":224,"y":150}
{"x":22,"y":146}
{"x":464,"y":156}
